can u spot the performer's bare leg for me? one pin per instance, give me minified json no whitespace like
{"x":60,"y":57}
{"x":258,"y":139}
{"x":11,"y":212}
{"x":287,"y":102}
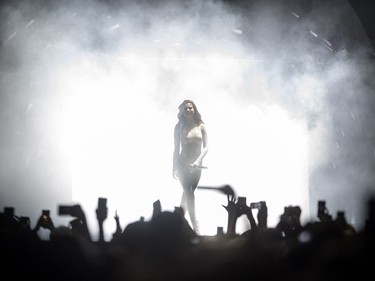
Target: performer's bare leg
{"x":191,"y":210}
{"x":183,"y":202}
{"x":189,"y":181}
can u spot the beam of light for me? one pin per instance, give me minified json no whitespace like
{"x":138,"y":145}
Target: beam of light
{"x":120,"y":139}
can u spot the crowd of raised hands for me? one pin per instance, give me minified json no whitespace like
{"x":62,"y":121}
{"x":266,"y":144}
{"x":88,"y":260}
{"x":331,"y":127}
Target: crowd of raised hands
{"x":165,"y":247}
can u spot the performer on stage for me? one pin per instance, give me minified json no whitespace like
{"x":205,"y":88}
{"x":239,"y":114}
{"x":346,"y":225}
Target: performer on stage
{"x":190,"y":147}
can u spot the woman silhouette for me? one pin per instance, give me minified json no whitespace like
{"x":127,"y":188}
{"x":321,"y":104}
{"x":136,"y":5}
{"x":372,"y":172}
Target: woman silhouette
{"x":190,"y":147}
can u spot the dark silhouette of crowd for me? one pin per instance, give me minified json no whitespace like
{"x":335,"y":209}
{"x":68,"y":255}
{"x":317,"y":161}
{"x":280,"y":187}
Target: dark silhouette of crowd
{"x":166,"y":247}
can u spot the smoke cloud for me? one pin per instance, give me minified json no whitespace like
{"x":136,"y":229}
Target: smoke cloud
{"x":99,"y":82}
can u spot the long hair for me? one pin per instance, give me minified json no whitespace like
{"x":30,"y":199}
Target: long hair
{"x":197,"y":116}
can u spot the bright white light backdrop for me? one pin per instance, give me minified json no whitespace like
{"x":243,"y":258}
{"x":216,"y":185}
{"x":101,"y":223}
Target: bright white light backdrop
{"x":120,"y":140}
{"x":91,"y":96}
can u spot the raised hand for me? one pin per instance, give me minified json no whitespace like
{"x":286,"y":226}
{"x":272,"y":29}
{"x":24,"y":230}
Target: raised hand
{"x":80,"y":215}
{"x":118,"y":226}
{"x":234,"y":212}
{"x":262,"y":215}
{"x":46,"y":222}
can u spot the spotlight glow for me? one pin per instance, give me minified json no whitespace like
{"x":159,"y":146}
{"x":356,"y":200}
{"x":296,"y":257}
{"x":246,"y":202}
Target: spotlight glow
{"x":120,"y":140}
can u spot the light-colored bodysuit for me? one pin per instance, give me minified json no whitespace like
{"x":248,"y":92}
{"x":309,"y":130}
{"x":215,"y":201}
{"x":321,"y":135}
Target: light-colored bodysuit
{"x":190,"y":149}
